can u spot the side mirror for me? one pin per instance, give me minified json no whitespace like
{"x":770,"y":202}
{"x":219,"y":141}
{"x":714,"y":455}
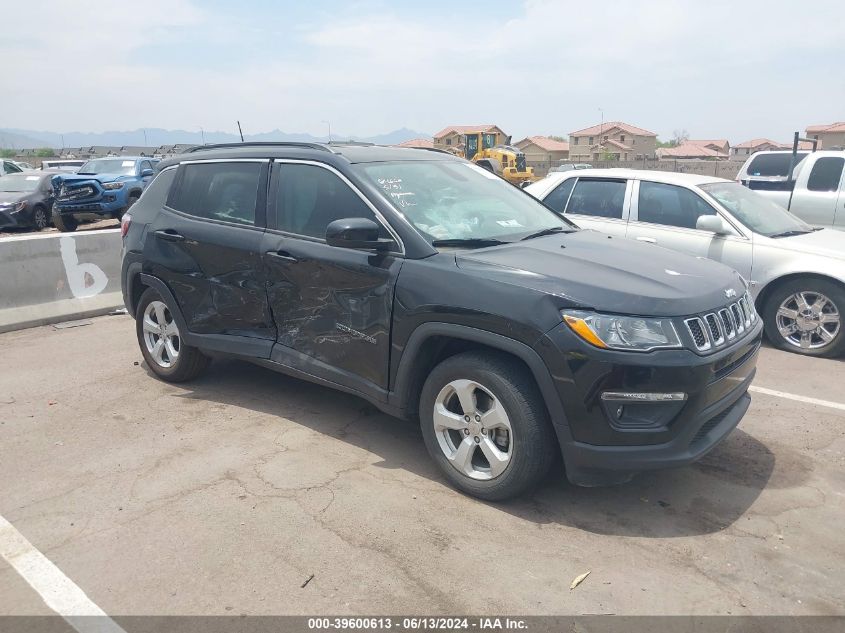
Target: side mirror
{"x":360,"y":233}
{"x":713,"y":223}
{"x":146,"y":172}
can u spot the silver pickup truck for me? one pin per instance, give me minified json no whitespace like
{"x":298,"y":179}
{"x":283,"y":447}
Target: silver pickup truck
{"x":814,"y":191}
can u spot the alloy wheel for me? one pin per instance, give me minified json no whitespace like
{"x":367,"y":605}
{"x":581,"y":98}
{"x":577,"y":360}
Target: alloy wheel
{"x":161,"y":335}
{"x":473,"y":429}
{"x":808,"y":320}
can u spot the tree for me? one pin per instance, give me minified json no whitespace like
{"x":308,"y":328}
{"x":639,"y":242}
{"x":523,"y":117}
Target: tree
{"x":680,"y":137}
{"x":45,"y":152}
{"x":562,"y":139}
{"x":7,"y":153}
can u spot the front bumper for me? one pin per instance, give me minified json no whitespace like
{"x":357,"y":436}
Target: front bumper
{"x":600,"y":448}
{"x":9,"y":219}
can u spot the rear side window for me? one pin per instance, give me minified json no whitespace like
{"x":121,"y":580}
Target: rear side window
{"x":559,"y":196}
{"x":154,"y":195}
{"x":599,"y":198}
{"x":218,"y":191}
{"x":826,"y":174}
{"x":670,"y":205}
{"x":773,"y":164}
{"x":309,"y":198}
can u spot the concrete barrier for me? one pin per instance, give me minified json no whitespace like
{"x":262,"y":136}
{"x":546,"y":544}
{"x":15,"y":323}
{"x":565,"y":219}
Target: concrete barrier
{"x":52,"y":277}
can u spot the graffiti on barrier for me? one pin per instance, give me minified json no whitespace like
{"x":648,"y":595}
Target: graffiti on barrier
{"x":84,"y":280}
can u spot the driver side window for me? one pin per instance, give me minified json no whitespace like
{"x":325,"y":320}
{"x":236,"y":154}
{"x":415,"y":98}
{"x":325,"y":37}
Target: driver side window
{"x":670,"y":205}
{"x":309,"y":198}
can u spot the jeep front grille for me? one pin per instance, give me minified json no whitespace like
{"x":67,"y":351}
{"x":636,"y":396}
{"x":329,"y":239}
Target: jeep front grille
{"x":717,"y":329}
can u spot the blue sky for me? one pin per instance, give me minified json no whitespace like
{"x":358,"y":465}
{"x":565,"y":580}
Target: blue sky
{"x":718,"y":69}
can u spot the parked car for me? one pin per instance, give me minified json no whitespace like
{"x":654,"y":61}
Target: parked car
{"x":796,"y":273}
{"x":9,"y":167}
{"x":102,"y":188}
{"x":438,"y":292}
{"x":25,"y":200}
{"x":816,"y":190}
{"x":64,"y":164}
{"x":571,"y":166}
{"x":24,"y":166}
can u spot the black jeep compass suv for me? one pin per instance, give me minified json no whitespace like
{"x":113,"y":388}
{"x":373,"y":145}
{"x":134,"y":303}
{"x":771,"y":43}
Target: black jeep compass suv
{"x":439,"y":292}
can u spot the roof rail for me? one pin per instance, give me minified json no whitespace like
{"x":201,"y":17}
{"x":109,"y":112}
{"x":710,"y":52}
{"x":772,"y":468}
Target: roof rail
{"x":433,"y":149}
{"x":302,"y":144}
{"x":353,"y":143}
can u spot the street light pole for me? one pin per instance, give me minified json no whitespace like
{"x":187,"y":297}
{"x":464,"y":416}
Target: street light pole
{"x":329,"y":123}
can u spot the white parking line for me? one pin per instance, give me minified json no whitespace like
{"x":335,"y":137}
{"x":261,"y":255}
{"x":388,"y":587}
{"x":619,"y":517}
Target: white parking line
{"x":792,"y":396}
{"x":57,"y":590}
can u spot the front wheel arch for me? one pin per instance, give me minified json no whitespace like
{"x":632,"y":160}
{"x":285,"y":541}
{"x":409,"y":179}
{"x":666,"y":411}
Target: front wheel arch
{"x":767,"y":290}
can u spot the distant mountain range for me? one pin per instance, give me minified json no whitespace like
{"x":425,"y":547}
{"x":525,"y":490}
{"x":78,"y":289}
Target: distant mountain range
{"x":26,"y":139}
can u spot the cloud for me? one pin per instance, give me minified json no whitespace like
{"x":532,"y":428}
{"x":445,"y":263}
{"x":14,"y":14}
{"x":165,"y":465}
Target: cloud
{"x":716,"y":68}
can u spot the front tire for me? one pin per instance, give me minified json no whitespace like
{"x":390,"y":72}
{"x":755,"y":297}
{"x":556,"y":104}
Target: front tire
{"x":805,"y":316}
{"x":131,"y":201}
{"x":161,"y":341}
{"x":65,"y":223}
{"x":485,"y":425}
{"x":39,"y":218}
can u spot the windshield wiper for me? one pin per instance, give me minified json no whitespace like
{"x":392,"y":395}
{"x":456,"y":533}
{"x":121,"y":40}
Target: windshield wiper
{"x":549,"y":231}
{"x":469,"y":241}
{"x":790,"y":233}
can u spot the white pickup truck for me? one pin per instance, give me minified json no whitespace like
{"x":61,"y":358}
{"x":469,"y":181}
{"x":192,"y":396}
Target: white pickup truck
{"x":814,"y":191}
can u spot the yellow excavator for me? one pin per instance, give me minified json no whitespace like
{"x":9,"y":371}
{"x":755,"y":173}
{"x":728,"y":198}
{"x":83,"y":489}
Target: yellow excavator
{"x":492,"y":151}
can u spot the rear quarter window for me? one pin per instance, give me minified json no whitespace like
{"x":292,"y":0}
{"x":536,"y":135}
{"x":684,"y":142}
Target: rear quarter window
{"x":154,"y":196}
{"x":769,"y":165}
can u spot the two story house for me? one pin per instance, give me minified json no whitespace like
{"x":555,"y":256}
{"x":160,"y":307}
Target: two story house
{"x":829,"y":136}
{"x":613,"y":140}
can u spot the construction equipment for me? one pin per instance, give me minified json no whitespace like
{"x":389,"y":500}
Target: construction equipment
{"x":492,"y":151}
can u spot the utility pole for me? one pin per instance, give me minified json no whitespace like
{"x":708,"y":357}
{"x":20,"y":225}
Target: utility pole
{"x":145,"y":137}
{"x":601,"y":129}
{"x":240,"y":131}
{"x":202,"y":133}
{"x":329,"y":123}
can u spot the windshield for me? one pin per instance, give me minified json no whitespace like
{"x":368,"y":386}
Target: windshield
{"x":109,"y":166}
{"x":773,"y":164}
{"x":19,"y":182}
{"x":759,"y":214}
{"x":448,"y":200}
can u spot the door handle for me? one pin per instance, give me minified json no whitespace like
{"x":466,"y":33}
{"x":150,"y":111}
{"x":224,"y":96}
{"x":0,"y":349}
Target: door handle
{"x":169,"y":235}
{"x":283,"y":255}
{"x":650,"y":240}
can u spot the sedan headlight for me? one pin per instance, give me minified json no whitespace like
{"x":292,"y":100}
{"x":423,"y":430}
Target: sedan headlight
{"x":630,"y":333}
{"x":113,"y":185}
{"x":13,"y":207}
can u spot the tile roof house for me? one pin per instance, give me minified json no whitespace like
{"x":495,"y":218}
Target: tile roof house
{"x":829,"y":136}
{"x":417,"y":142}
{"x":137,"y":150}
{"x":542,"y":153}
{"x":453,"y":136}
{"x":740,"y":151}
{"x":720,"y":145}
{"x":691,"y":149}
{"x":612,"y":139}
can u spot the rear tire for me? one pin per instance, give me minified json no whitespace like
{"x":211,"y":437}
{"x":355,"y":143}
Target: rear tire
{"x":64,"y":223}
{"x":505,"y":444}
{"x":161,"y":342}
{"x":797,"y":311}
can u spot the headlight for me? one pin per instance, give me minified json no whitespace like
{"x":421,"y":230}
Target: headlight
{"x":113,"y":185}
{"x":630,"y":333}
{"x":17,"y":206}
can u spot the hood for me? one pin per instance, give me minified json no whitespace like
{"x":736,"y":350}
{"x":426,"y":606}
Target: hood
{"x":72,"y":178}
{"x":610,"y":274}
{"x":824,"y":242}
{"x":8,"y":197}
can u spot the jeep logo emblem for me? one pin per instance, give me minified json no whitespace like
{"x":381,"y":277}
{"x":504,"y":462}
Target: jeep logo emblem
{"x":730,"y":293}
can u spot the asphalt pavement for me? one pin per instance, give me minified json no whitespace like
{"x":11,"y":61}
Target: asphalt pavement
{"x":251,"y":492}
